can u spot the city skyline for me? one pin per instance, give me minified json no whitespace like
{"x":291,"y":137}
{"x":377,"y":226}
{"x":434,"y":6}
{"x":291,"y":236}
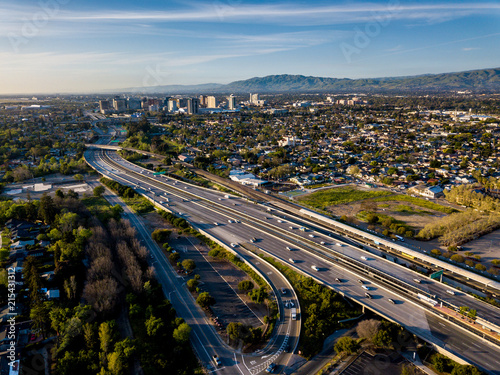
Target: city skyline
{"x":71,"y":46}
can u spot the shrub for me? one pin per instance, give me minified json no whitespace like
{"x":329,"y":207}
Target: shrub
{"x":174,"y":257}
{"x":480,"y":267}
{"x":436,"y":252}
{"x":161,"y":235}
{"x":493,"y":271}
{"x":346,"y":344}
{"x":245,"y":285}
{"x":457,"y":258}
{"x":192,"y":284}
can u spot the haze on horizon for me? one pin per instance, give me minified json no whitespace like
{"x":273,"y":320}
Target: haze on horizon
{"x":50,"y":46}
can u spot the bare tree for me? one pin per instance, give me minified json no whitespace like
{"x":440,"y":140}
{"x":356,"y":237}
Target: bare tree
{"x":368,"y":328}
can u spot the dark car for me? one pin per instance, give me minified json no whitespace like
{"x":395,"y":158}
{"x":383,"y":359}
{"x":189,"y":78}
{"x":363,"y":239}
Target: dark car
{"x":270,"y":369}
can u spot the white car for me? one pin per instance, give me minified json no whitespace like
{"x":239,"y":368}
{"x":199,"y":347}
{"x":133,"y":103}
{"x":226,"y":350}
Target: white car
{"x":292,"y":260}
{"x":311,"y":235}
{"x":315,"y":268}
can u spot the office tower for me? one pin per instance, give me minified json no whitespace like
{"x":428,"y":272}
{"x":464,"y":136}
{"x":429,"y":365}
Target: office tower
{"x":203,"y":101}
{"x":211,"y":102}
{"x":231,"y":102}
{"x":119,"y":105}
{"x":254,"y":98}
{"x":133,"y":103}
{"x":192,"y":106}
{"x":104,"y":105}
{"x":172,"y":105}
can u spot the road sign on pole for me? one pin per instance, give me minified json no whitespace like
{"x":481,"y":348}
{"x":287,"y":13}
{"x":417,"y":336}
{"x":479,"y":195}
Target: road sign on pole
{"x":437,"y":275}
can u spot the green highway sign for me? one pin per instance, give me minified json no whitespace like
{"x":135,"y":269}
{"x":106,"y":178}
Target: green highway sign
{"x":436,"y":275}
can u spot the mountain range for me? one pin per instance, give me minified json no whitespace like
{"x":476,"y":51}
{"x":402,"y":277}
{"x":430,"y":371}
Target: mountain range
{"x":484,"y":80}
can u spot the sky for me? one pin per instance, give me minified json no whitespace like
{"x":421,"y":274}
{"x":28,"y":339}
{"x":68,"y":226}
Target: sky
{"x":76,"y":46}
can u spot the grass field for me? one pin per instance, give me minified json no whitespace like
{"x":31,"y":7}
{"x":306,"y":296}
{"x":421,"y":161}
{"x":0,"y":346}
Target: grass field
{"x":417,"y":202}
{"x":325,"y":198}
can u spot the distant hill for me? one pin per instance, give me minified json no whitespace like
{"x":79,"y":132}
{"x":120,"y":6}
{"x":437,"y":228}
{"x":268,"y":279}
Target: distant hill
{"x":474,"y":80}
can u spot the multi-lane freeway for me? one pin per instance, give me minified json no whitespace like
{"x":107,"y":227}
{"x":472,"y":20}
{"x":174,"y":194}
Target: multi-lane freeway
{"x":235,"y":221}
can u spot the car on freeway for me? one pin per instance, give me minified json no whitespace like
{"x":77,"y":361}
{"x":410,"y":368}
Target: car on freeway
{"x":322,"y":242}
{"x":292,"y":260}
{"x":289,"y":248}
{"x":450,"y":292}
{"x":368,"y":295}
{"x":361,"y":281}
{"x":216,"y":223}
{"x":392,"y":301}
{"x":283,"y":291}
{"x":418,"y":281}
{"x":271,"y":368}
{"x":315,"y":268}
{"x":311,"y":235}
{"x":338,"y":280}
{"x":216,"y":360}
{"x":365,"y":287}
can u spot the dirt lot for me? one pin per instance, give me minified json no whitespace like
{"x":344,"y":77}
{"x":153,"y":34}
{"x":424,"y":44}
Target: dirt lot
{"x":219,"y":278}
{"x":415,"y":216}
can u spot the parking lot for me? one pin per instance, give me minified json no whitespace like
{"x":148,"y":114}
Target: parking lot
{"x":367,"y":364}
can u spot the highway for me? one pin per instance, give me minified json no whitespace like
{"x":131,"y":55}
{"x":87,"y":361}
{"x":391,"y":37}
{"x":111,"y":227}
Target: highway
{"x":206,"y":341}
{"x":204,"y":208}
{"x":279,"y":220}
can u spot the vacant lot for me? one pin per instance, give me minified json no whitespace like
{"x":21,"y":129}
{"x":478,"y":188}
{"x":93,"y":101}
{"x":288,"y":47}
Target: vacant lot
{"x":325,"y":198}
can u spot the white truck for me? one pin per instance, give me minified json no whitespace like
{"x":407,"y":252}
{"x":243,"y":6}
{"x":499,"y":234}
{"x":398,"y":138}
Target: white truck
{"x":294,"y":313}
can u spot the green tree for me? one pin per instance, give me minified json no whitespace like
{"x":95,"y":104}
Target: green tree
{"x":205,"y":300}
{"x":99,"y":191}
{"x":233,"y":330}
{"x":408,"y":369}
{"x":346,"y":344}
{"x":47,"y":209}
{"x":106,"y":336}
{"x":188,"y":265}
{"x":33,"y":280}
{"x":39,"y":314}
{"x":154,"y":325}
{"x":116,"y":364}
{"x":181,"y":333}
{"x":382,"y":339}
{"x":465,"y":370}
{"x":441,"y":363}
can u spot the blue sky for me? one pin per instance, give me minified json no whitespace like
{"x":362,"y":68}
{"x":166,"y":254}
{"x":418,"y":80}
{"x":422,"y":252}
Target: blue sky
{"x":84,"y":46}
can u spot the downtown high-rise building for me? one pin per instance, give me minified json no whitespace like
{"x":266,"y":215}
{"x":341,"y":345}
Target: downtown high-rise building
{"x":211,"y":102}
{"x":193,"y":105}
{"x":119,"y":104}
{"x":231,"y":102}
